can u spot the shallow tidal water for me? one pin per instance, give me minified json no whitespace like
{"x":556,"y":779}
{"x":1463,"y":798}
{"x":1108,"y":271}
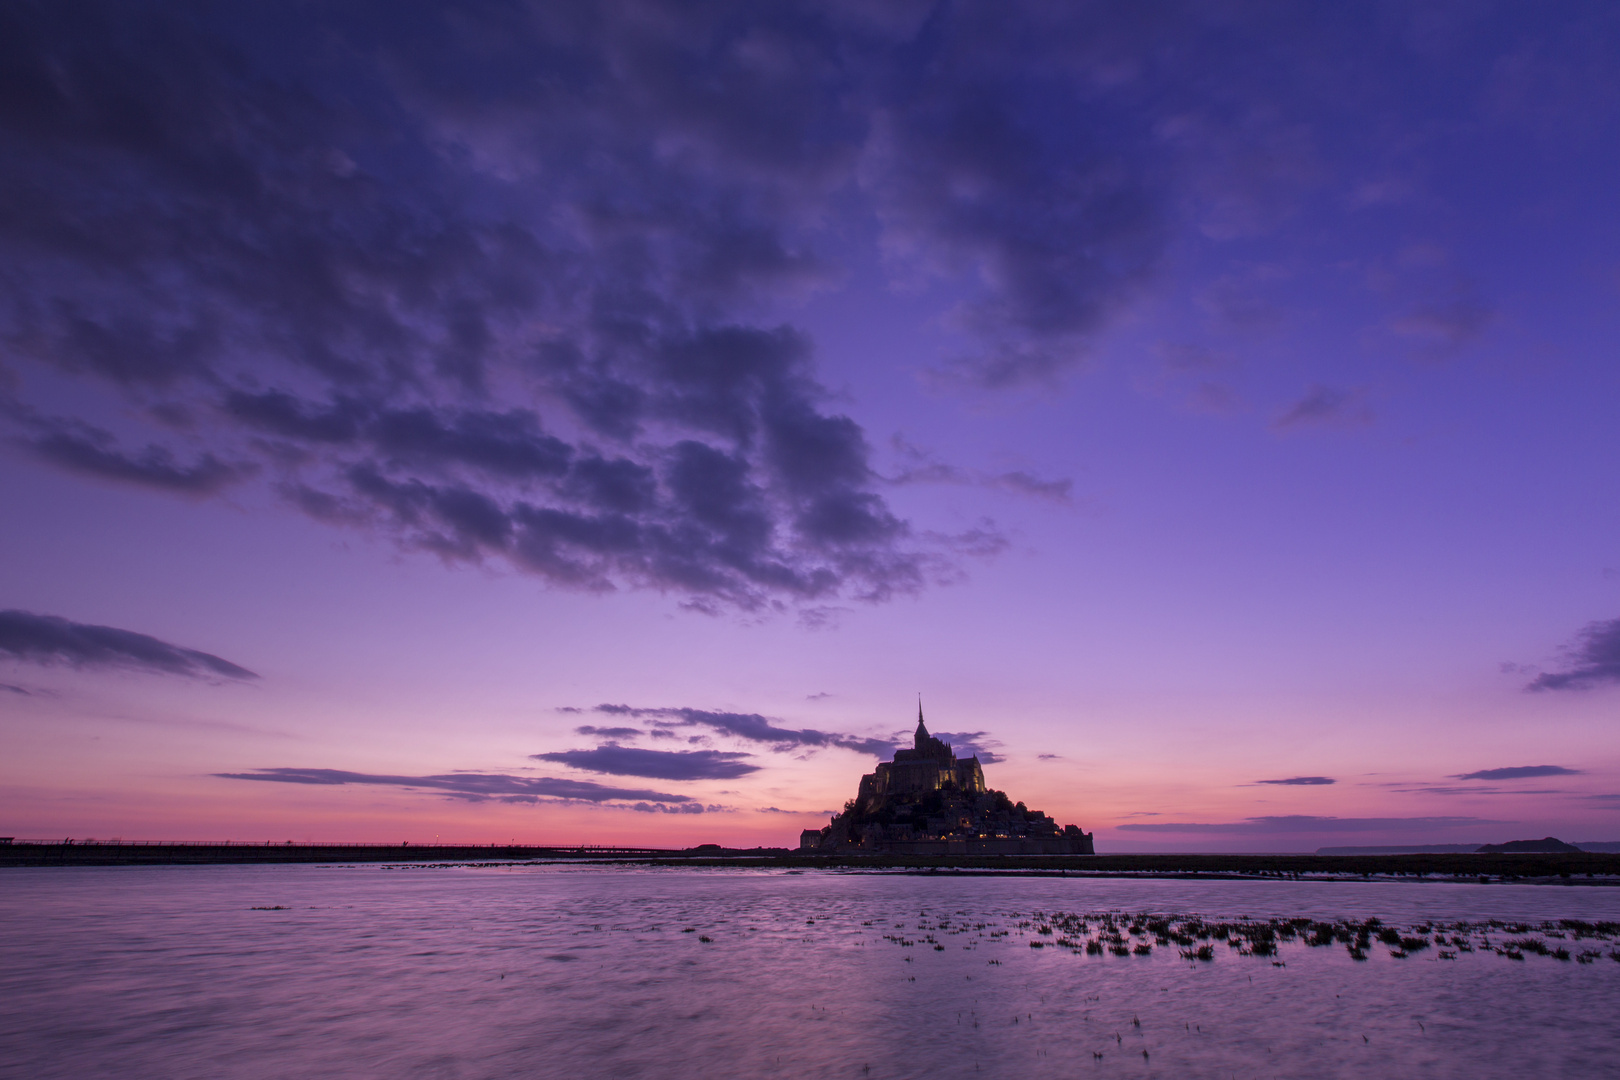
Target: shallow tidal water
{"x":558,"y":971}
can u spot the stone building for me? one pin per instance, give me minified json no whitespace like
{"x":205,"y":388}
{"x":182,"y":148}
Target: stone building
{"x":927,"y":801}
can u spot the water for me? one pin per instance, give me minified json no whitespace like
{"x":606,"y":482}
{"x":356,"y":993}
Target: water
{"x":590,"y":972}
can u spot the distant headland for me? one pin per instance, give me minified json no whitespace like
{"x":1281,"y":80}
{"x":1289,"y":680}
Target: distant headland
{"x":928,"y":801}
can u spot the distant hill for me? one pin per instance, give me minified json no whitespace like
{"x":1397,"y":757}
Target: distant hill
{"x":1545,"y":844}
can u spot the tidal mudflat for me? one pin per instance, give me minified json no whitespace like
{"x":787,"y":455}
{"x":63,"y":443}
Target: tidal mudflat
{"x":523,"y":971}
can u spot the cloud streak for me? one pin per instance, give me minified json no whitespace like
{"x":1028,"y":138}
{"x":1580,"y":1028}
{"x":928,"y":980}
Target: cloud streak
{"x":475,"y":787}
{"x":1301,"y":781}
{"x":1518,"y":772}
{"x":51,"y":639}
{"x":655,"y":764}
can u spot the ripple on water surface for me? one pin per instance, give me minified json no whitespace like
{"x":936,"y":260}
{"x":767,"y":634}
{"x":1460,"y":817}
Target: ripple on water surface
{"x":582,"y":972}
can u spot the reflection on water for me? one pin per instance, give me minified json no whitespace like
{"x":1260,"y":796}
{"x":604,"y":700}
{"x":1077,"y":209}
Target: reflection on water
{"x":302,"y":971}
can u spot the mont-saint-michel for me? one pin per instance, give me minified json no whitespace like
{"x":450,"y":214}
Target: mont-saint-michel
{"x":928,"y":801}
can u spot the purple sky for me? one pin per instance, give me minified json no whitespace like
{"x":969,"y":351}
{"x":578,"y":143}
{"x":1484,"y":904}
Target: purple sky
{"x":596,"y":423}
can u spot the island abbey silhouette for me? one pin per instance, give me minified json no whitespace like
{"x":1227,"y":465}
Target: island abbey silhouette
{"x":928,"y":801}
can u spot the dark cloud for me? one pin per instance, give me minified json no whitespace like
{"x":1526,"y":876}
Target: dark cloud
{"x":473,"y":786}
{"x":655,"y":764}
{"x":752,"y":727}
{"x":1593,"y":660}
{"x":503,"y":281}
{"x":1302,"y":781}
{"x":48,"y":639}
{"x":10,"y":689}
{"x":1518,"y":772}
{"x":1304,"y":823}
{"x":1325,"y":406}
{"x":1048,"y":757}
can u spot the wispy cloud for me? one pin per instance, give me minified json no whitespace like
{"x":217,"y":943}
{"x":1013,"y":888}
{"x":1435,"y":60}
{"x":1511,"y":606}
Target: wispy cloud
{"x":1305,"y":823}
{"x":472,"y":786}
{"x":1447,"y":324}
{"x":920,"y":466}
{"x":49,"y":639}
{"x":1593,"y":660}
{"x":1326,"y":406}
{"x":1470,"y":789}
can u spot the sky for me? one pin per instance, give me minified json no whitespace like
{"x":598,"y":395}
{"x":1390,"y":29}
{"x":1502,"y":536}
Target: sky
{"x":598,"y":423}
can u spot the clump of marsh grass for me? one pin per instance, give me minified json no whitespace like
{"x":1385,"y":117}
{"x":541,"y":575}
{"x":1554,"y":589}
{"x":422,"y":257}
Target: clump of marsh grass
{"x":1124,"y":934}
